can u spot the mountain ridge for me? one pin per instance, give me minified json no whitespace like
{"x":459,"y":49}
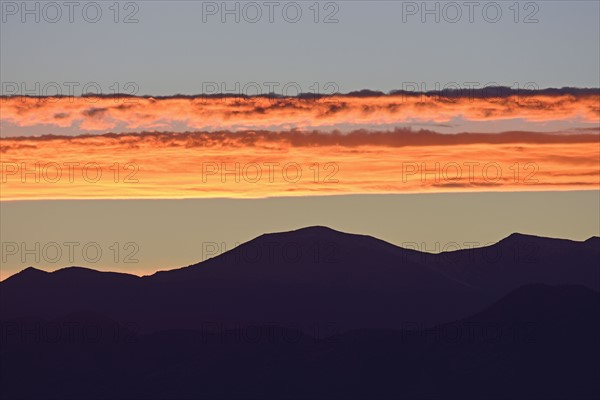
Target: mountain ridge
{"x":322,"y":232}
{"x":513,"y":339}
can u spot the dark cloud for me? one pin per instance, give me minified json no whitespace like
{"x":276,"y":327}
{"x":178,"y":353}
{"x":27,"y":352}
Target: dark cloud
{"x":399,"y":137}
{"x":95,"y":112}
{"x":479,"y":93}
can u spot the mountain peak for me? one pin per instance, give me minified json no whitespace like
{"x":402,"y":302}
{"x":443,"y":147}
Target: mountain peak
{"x":75,"y":269}
{"x":313,"y":229}
{"x":32,"y":270}
{"x":519,"y":236}
{"x":28,"y":273}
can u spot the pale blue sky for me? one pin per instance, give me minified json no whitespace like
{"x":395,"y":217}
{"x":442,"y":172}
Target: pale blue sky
{"x":171,"y":50}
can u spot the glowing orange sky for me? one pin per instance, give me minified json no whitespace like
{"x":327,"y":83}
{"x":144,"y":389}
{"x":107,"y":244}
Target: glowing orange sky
{"x":226,"y":161}
{"x":191,"y":165}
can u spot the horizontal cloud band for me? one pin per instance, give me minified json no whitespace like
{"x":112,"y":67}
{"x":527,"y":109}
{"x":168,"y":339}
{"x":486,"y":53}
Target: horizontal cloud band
{"x":264,"y":163}
{"x":233,"y":112}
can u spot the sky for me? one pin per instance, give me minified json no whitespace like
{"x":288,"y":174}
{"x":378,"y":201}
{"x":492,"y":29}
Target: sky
{"x":183,"y":47}
{"x":379,"y":117}
{"x":274,"y":164}
{"x":143,"y":236}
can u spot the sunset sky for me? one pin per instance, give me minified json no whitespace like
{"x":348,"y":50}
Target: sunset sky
{"x":240,"y":163}
{"x":358,"y":123}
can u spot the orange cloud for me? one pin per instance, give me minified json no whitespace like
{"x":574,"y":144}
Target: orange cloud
{"x":264,"y":163}
{"x":104,"y":114}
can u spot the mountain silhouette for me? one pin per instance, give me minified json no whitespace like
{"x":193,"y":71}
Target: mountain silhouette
{"x":313,"y":313}
{"x":538,"y":342}
{"x":311,"y":277}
